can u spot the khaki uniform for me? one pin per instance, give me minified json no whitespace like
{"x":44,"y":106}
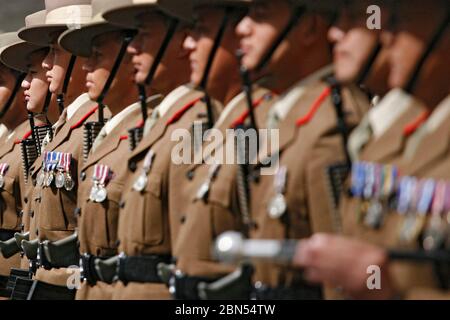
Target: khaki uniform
{"x":53,"y":217}
{"x":10,"y":194}
{"x":98,"y":222}
{"x":309,"y":144}
{"x":144,"y":223}
{"x":27,"y":188}
{"x":4,"y":133}
{"x":219,"y":211}
{"x":430,"y":160}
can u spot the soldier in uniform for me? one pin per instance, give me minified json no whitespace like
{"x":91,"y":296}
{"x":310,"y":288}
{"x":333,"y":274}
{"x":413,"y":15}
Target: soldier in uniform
{"x":144,"y":222}
{"x":26,"y":58}
{"x":13,"y":127}
{"x":104,"y":172}
{"x":55,"y":173}
{"x":401,"y":202}
{"x":314,"y":115}
{"x":213,"y":34}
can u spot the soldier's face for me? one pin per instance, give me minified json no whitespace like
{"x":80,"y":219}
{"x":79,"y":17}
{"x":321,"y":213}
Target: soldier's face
{"x":354,"y":45}
{"x":7,"y":83}
{"x":35,"y":84}
{"x":56,"y":64}
{"x":200,"y":43}
{"x":98,"y":67}
{"x":146,"y":45}
{"x":407,"y":40}
{"x":260,"y":28}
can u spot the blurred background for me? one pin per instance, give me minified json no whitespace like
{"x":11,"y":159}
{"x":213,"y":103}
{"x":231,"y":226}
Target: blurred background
{"x":13,"y":12}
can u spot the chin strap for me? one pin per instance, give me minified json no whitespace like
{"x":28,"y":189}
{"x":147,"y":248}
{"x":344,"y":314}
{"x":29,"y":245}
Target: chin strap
{"x":60,"y":97}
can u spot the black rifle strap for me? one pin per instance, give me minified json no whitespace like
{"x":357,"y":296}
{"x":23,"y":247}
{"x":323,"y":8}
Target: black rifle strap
{"x":295,"y":17}
{"x":61,"y":96}
{"x":126,"y":41}
{"x":173,"y":24}
{"x":204,"y":82}
{"x":336,"y":96}
{"x":431,"y":46}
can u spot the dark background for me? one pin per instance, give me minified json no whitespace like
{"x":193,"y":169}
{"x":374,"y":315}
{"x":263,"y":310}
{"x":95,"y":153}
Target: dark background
{"x":13,"y":12}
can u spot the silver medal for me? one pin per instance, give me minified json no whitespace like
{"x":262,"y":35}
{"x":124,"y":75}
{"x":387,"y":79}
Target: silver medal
{"x":49,"y":180}
{"x":101,"y":194}
{"x":277,"y":206}
{"x":140,"y":183}
{"x":375,"y":214}
{"x":93,"y":194}
{"x":40,"y":179}
{"x":69,"y":184}
{"x":59,"y":180}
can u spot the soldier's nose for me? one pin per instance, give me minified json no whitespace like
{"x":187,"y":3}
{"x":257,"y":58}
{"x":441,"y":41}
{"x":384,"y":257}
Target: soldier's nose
{"x":189,"y":43}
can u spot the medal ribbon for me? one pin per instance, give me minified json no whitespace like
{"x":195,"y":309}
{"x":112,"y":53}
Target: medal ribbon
{"x":407,"y":186}
{"x":426,"y":197}
{"x":67,"y":162}
{"x":96,"y":174}
{"x":62,"y":161}
{"x":438,"y":205}
{"x":56,"y":156}
{"x":369,"y":180}
{"x":358,"y":177}
{"x":447,"y":198}
{"x":48,"y":161}
{"x":105,"y":175}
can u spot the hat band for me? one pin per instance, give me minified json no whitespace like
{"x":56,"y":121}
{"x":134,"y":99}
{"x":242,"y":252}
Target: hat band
{"x":75,"y":15}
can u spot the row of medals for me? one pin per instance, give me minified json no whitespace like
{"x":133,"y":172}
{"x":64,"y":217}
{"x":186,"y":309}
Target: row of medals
{"x":372,"y":210}
{"x":62,"y":179}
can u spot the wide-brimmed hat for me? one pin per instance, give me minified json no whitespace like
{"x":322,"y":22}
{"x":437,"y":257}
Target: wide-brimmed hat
{"x":126,"y":12}
{"x":60,"y":16}
{"x":79,"y":41}
{"x":16,"y":54}
{"x":8,"y":39}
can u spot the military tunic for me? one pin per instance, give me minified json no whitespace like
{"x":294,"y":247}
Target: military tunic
{"x":54,"y":217}
{"x":98,"y":222}
{"x":144,"y":223}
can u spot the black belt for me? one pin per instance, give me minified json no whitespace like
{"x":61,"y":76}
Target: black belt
{"x":300,"y":292}
{"x":19,"y":289}
{"x":235,"y":286}
{"x":4,"y":292}
{"x":46,"y":291}
{"x":6,"y":234}
{"x":87,"y":268}
{"x":186,"y":288}
{"x":143,"y":269}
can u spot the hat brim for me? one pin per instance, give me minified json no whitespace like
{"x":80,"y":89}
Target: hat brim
{"x":79,"y":41}
{"x":16,"y":56}
{"x":42,"y":35}
{"x":126,"y":16}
